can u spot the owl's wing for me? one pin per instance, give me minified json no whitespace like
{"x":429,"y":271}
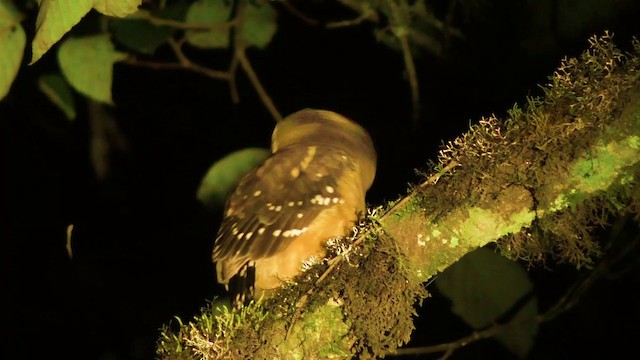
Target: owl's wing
{"x":279,"y":200}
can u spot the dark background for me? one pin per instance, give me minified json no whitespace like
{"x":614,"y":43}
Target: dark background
{"x":142,"y":242}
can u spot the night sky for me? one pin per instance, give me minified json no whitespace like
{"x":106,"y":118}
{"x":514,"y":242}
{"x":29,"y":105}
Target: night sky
{"x":142,"y":242}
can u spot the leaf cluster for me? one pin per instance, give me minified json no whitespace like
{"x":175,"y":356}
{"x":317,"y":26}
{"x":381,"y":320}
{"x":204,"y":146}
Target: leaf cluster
{"x":129,"y":31}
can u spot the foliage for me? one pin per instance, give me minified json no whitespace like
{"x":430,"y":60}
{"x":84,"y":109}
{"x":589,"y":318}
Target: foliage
{"x":87,"y":62}
{"x":12,"y":43}
{"x":225,"y":173}
{"x":206,"y":24}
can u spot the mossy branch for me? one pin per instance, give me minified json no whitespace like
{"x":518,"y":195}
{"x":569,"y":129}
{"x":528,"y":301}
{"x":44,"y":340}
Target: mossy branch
{"x":534,"y":184}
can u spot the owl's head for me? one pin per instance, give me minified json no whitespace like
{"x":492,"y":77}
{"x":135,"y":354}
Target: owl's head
{"x":311,"y":127}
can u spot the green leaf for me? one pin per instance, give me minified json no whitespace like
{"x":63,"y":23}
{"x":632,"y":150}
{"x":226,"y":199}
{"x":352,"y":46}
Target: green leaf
{"x":260,"y":25}
{"x":209,"y":12}
{"x":224,"y":174}
{"x":87,"y":64}
{"x":12,"y":43}
{"x":59,"y":93}
{"x":141,"y":35}
{"x":258,"y":28}
{"x":8,"y":13}
{"x":483,"y":286}
{"x":117,"y":8}
{"x":177,"y":11}
{"x":56,"y":18}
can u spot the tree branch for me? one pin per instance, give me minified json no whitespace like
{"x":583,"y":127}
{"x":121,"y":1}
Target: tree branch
{"x":180,"y":25}
{"x":555,"y":159}
{"x":565,"y":303}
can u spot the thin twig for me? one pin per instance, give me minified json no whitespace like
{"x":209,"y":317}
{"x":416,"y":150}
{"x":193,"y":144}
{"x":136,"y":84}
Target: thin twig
{"x":297,"y":13}
{"x":401,"y":33}
{"x":176,"y":46}
{"x":448,"y":20}
{"x":449,"y":347}
{"x":262,"y":93}
{"x":364,"y":16}
{"x":177,"y":50}
{"x":413,"y":78}
{"x":214,"y":74}
{"x":362,"y":7}
{"x":233,"y":87}
{"x":240,"y":55}
{"x":153,"y":64}
{"x":180,"y":25}
{"x":183,"y":63}
{"x":575,"y":293}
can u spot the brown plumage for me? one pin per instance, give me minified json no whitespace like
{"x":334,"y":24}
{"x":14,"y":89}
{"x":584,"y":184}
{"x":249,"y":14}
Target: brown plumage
{"x":310,"y":189}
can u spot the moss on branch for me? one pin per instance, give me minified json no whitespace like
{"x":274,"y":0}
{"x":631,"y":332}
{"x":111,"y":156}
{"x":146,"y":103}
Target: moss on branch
{"x":535,"y":184}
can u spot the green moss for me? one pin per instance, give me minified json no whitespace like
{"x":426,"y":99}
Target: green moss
{"x":323,"y":333}
{"x":605,"y":164}
{"x":627,"y":179}
{"x":454,"y":241}
{"x":561,"y":202}
{"x":210,"y":334}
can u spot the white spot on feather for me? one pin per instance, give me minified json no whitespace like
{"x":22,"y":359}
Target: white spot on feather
{"x":294,"y":232}
{"x":311,"y":152}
